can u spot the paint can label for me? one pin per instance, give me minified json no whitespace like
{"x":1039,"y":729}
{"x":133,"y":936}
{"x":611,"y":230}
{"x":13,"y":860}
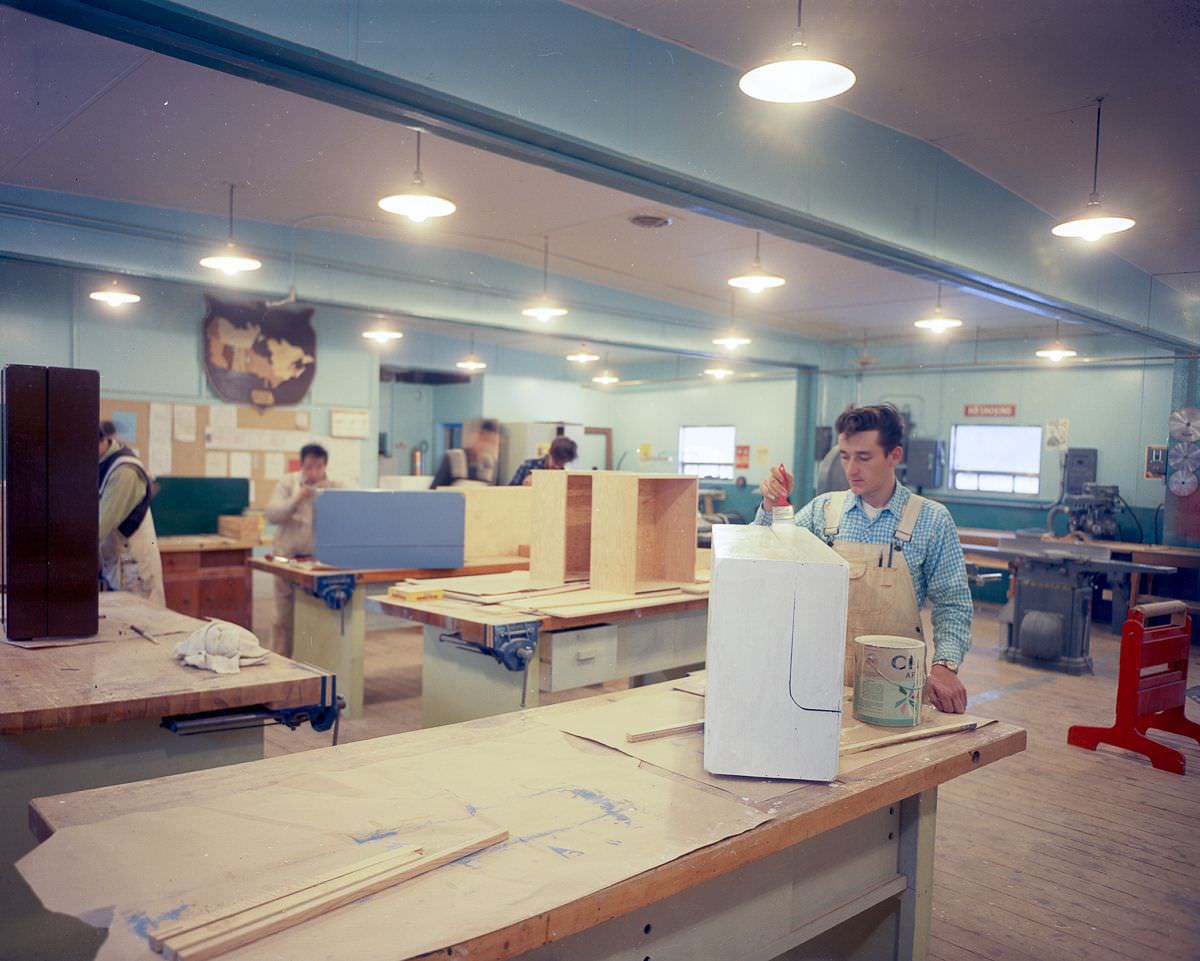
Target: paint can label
{"x":889,"y":680}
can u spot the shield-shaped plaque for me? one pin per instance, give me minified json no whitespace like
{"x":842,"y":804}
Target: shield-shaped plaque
{"x":256,"y":354}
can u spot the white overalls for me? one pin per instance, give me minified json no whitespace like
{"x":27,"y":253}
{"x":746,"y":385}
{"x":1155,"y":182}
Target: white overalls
{"x":882,"y":597}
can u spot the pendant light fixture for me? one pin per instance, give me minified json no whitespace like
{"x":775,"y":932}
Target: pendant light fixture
{"x":731,"y":339}
{"x":756,"y":280}
{"x":417,"y":203}
{"x":382,"y":335}
{"x":545,"y":309}
{"x":583,"y":356}
{"x":606,"y":378}
{"x":230,"y":260}
{"x":937,"y":322}
{"x":797,"y":78}
{"x":114,"y":296}
{"x":1093,"y":224}
{"x":471,"y":363}
{"x":1056,"y":352}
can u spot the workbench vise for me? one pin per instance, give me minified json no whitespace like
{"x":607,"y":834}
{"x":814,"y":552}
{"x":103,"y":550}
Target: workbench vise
{"x":513,"y":645}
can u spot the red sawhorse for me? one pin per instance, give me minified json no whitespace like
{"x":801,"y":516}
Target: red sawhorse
{"x":1153,"y":700}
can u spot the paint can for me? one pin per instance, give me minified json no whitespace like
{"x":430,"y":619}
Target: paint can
{"x":889,"y":680}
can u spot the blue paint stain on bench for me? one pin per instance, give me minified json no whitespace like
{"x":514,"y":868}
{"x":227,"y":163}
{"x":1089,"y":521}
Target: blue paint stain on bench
{"x":374,"y":836}
{"x":142,"y":923}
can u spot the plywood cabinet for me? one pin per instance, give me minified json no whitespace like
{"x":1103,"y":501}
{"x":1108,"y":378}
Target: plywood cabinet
{"x":643,"y":531}
{"x":208,"y":577}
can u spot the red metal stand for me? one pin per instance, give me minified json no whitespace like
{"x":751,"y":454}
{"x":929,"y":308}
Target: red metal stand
{"x":1154,"y":700}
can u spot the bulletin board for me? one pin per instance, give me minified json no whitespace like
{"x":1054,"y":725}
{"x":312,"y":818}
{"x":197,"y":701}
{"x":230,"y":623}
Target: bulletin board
{"x":225,"y":441}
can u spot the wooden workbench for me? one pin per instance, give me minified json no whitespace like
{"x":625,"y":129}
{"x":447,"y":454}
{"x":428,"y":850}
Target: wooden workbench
{"x":845,"y":868}
{"x":584,"y":637}
{"x":329,"y":614}
{"x":205,"y":575}
{"x":88,"y":714}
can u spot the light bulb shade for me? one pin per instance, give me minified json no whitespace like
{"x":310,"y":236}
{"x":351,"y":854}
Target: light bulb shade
{"x":732,"y":341}
{"x":1056,"y":352}
{"x":382,"y":336}
{"x":582,"y":356}
{"x":418,"y":205}
{"x":606,"y":377}
{"x":115,"y":297}
{"x":545,"y":310}
{"x":471,"y":363}
{"x":1092,"y":225}
{"x":230,"y":261}
{"x":718,"y":373}
{"x":797,"y":80}
{"x":756,"y":280}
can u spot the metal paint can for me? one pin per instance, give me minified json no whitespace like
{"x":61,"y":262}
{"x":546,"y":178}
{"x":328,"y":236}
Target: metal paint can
{"x":889,"y":680}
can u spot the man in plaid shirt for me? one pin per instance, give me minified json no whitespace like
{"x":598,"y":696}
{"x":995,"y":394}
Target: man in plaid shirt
{"x":901,"y":547}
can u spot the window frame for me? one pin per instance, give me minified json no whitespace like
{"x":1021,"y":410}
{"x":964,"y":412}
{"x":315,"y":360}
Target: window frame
{"x":954,"y":471}
{"x":728,"y":466}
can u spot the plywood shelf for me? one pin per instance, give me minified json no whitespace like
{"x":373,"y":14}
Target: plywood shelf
{"x":643,"y":531}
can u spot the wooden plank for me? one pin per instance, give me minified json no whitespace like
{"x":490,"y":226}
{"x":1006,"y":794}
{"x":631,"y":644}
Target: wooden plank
{"x":614,"y":532}
{"x":560,"y":548}
{"x":386,"y":860}
{"x":304,"y":574}
{"x":669,"y":731}
{"x":226,"y":934}
{"x":127,"y":678}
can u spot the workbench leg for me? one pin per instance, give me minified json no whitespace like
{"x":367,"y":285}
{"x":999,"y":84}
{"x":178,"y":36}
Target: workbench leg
{"x":461,"y":685}
{"x":333,"y":640}
{"x":918,"y":822}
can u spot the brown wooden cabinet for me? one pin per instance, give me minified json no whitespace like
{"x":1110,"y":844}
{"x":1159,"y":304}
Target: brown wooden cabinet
{"x":207,"y":576}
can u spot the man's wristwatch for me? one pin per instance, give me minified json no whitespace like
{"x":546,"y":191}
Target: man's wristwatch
{"x":946,"y":662}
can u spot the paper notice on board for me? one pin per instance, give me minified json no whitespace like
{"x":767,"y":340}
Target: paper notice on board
{"x":216,"y":464}
{"x":274,"y":466}
{"x":240,"y":464}
{"x":1057,"y":433}
{"x":185,"y":422}
{"x":222,"y":416}
{"x":159,"y":455}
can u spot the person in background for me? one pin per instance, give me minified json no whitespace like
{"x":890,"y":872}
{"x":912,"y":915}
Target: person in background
{"x":562,"y":452}
{"x":129,"y":558}
{"x":291,"y":511}
{"x":907,"y":548}
{"x":473,"y":463}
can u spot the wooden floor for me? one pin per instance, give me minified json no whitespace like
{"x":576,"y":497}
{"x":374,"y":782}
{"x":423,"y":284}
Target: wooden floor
{"x":1054,"y":855}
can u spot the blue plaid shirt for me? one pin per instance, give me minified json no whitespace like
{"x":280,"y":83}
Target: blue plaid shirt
{"x":934,"y":557}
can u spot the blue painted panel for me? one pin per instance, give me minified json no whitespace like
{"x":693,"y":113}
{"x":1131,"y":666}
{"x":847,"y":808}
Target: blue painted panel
{"x":389,"y":529}
{"x":35,"y":316}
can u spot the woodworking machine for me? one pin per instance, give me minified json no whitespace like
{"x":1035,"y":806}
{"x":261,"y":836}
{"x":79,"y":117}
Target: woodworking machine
{"x":1049,"y":614}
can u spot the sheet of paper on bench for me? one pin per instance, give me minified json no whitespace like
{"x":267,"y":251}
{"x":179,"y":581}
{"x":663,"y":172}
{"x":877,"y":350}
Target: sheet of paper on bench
{"x":581,"y":817}
{"x":608,"y":719}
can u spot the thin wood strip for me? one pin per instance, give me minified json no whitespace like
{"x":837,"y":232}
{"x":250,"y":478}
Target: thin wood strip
{"x":220,"y":930}
{"x":904,"y":735}
{"x":668,"y":731}
{"x":390,"y":858}
{"x":225,"y":936}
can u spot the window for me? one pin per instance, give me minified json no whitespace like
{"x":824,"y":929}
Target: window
{"x":706,"y":451}
{"x":995,"y":459}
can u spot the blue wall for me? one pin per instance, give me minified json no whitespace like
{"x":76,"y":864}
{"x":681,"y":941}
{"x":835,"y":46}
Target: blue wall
{"x":1118,"y":410}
